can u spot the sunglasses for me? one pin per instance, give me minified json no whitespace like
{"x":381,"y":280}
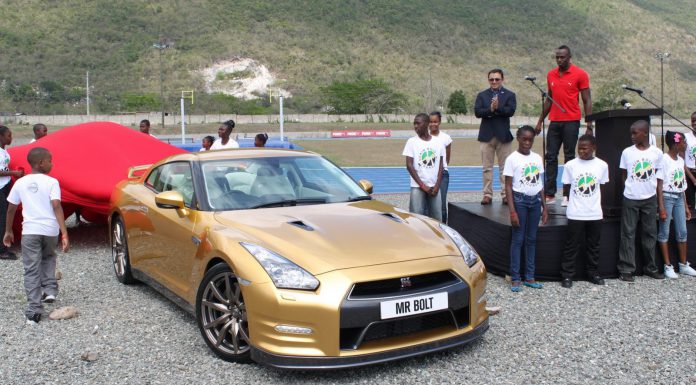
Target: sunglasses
{"x":494,"y":79}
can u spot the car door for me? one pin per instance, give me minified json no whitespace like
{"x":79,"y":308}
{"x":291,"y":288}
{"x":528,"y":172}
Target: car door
{"x":173,"y":245}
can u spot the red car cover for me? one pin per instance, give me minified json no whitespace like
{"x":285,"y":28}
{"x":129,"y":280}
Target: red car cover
{"x":89,"y":159}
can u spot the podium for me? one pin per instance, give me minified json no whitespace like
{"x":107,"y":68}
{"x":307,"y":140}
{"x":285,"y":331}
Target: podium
{"x":613,"y":133}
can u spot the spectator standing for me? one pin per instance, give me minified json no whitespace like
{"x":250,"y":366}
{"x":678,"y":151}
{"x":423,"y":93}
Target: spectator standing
{"x":260,"y":140}
{"x":584,"y":175}
{"x":39,"y":195}
{"x":435,"y":132}
{"x":207,"y":143}
{"x":671,"y":184}
{"x":225,"y":142}
{"x":523,"y":171}
{"x":565,"y":83}
{"x":40,"y":130}
{"x":639,"y":165}
{"x":690,"y":161}
{"x":424,"y":162}
{"x":494,"y":106}
{"x":145,"y":127}
{"x":5,"y":185}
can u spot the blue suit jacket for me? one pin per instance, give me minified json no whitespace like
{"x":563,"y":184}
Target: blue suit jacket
{"x":495,"y":123}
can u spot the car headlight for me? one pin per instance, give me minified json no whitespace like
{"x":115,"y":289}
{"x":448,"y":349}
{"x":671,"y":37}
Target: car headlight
{"x":285,"y":274}
{"x":470,"y":255}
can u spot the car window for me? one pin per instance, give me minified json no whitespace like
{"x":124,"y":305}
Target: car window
{"x":173,"y":176}
{"x":233,"y":184}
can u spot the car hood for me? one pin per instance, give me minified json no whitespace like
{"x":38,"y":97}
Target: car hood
{"x":326,"y":237}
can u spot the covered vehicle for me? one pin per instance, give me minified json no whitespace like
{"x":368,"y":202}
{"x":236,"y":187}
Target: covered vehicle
{"x":285,"y":260}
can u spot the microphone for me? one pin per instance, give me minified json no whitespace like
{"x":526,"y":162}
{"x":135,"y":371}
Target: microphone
{"x":636,"y":90}
{"x":530,"y":78}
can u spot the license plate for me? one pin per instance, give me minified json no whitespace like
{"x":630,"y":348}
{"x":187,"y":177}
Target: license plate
{"x":413,"y":305}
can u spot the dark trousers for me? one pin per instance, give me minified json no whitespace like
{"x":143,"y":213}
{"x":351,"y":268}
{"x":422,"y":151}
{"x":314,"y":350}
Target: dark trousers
{"x":581,"y":232}
{"x":444,"y":185}
{"x":4,"y":192}
{"x":633,"y":212}
{"x":565,"y":133}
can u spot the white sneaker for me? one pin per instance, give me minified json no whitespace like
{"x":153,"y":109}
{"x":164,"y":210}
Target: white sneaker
{"x":564,"y":203}
{"x":49,"y":298}
{"x":34,"y":320}
{"x":686,"y":269}
{"x":669,"y":272}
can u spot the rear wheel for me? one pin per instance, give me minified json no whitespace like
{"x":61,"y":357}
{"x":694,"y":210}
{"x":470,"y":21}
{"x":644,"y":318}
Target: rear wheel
{"x":221,"y":315}
{"x":119,"y":252}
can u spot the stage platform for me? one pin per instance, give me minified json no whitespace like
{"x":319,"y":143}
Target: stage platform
{"x":488,"y":230}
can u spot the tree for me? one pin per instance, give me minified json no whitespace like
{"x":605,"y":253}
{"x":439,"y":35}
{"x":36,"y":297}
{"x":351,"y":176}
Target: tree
{"x":456,"y":104}
{"x":361,"y":97}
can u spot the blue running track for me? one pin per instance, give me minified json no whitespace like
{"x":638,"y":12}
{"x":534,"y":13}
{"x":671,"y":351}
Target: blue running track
{"x":396,"y":179}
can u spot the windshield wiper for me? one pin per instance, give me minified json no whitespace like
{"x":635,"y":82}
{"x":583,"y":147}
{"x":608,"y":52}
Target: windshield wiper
{"x":360,"y":198}
{"x":290,"y":202}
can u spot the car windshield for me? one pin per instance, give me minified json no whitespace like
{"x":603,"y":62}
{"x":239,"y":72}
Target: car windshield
{"x":236,"y":184}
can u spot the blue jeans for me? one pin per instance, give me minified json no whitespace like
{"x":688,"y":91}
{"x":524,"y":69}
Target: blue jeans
{"x":444,"y":184}
{"x":422,"y":203}
{"x":528,"y":208}
{"x":674,"y":206}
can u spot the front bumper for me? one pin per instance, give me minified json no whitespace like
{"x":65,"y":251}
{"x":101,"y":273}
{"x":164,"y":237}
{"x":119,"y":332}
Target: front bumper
{"x":316,"y":363}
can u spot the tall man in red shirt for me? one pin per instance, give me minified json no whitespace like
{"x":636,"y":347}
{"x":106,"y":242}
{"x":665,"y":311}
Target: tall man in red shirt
{"x":564,"y":84}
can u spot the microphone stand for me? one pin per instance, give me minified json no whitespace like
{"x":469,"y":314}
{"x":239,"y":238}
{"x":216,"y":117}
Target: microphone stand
{"x":544,"y":96}
{"x":664,"y":112}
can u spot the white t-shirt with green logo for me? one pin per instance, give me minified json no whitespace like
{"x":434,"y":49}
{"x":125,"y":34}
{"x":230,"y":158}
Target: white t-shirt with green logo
{"x":672,"y":174}
{"x":426,"y":158}
{"x":584,"y":178}
{"x":526,"y":172}
{"x":4,"y":166}
{"x":641,"y":171}
{"x":690,"y":150}
{"x":446,"y":141}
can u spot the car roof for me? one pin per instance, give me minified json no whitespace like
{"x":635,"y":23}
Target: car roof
{"x":241,"y":153}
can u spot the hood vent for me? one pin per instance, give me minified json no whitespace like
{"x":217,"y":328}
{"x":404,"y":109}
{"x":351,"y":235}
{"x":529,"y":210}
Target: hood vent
{"x":301,"y":225}
{"x":392,"y":216}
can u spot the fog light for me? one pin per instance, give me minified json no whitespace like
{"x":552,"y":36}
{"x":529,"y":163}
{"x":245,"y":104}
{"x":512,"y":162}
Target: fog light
{"x":293,"y":329}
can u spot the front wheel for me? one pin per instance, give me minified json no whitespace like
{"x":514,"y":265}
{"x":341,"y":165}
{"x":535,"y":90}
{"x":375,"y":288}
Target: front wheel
{"x":119,"y":252}
{"x":221,"y":315}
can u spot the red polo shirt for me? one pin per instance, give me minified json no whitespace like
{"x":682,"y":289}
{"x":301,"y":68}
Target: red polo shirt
{"x":565,"y":90}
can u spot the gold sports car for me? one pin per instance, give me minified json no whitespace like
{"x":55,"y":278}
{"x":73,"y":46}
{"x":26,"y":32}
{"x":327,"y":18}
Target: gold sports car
{"x":285,"y":260}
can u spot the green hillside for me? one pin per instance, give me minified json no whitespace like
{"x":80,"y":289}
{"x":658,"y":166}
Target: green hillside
{"x":422,"y":49}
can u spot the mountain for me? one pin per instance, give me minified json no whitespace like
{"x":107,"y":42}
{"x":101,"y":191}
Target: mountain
{"x":423,"y":49}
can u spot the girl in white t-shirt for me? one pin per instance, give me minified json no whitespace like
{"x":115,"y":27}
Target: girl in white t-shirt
{"x":524,"y":189}
{"x":435,"y":119}
{"x":671,"y":184}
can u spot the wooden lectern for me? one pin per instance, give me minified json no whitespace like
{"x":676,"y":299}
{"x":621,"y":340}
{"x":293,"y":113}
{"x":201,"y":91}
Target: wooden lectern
{"x":613,"y":133}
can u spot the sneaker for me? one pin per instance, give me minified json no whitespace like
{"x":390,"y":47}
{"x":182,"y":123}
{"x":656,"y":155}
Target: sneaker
{"x":564,"y":202}
{"x":597,"y":280}
{"x":49,"y":298}
{"x":533,"y":284}
{"x":516,"y":287}
{"x":627,"y":277}
{"x":550,"y":199}
{"x":34,"y":320}
{"x":669,"y":272}
{"x":654,"y":275}
{"x":686,"y":269}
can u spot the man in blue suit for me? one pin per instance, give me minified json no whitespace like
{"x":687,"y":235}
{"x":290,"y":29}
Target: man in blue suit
{"x":494,"y":106}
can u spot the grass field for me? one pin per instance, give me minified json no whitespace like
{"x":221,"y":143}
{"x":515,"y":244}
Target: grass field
{"x":344,"y":152}
{"x":387,"y":152}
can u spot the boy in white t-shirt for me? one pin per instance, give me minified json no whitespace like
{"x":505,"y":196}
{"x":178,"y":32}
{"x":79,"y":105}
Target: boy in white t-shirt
{"x":690,"y":161}
{"x":424,"y":162}
{"x":639,"y":165}
{"x":583,"y":176}
{"x":39,"y":195}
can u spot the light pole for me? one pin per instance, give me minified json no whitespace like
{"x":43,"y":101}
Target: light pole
{"x":661,"y":56}
{"x":161,"y":45}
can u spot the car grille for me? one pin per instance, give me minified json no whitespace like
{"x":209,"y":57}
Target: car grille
{"x":352,"y":338}
{"x":393,"y":286}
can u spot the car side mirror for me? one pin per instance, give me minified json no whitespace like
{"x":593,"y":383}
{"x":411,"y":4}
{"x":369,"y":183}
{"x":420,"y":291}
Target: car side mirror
{"x":366,"y":185}
{"x":170,"y":200}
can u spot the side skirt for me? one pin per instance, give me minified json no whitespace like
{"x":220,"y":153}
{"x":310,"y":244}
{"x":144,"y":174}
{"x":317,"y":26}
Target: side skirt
{"x":170,"y":295}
